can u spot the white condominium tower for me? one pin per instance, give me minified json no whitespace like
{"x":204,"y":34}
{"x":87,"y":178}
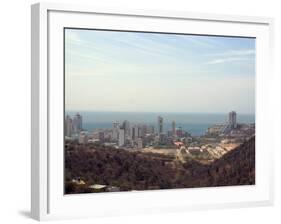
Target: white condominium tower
{"x":115,"y":130}
{"x":68,"y":126}
{"x":126,"y":127}
{"x":121,"y":137}
{"x":174,"y":128}
{"x":160,"y":125}
{"x":77,"y":123}
{"x":232,"y":119}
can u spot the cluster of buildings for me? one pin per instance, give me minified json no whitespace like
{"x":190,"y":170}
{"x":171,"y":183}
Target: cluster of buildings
{"x":138,"y":136}
{"x":129,"y":134}
{"x":125,"y":134}
{"x":218,"y":139}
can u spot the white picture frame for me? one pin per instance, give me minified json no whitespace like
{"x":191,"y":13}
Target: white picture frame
{"x":47,"y":198}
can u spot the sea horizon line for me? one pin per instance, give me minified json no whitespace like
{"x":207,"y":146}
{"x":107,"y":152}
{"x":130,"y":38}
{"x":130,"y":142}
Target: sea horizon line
{"x":155,"y":112}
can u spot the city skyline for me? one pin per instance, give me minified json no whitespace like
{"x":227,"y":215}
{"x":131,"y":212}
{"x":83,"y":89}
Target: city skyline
{"x":139,"y":72}
{"x":74,"y":122}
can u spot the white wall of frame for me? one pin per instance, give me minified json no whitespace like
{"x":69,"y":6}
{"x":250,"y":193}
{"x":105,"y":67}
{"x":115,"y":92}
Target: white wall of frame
{"x":15,"y":110}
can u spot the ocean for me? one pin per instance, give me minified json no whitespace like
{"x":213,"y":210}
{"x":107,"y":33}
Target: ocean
{"x":194,"y":123}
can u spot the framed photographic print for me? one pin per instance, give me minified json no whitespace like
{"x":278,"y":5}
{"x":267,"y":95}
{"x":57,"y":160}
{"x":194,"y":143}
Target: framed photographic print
{"x":138,"y":111}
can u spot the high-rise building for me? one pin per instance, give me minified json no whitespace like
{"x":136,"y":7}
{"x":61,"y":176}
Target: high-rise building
{"x":135,"y":132}
{"x":132,"y":132}
{"x":68,"y":126}
{"x":174,"y":128}
{"x":77,"y":123}
{"x":115,"y":131}
{"x":160,"y":125}
{"x":126,"y":127}
{"x":232,"y":119}
{"x":121,"y":137}
{"x":139,"y":131}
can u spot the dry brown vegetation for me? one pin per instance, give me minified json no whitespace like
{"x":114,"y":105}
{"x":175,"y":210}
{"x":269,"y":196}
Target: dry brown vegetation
{"x":140,"y":171}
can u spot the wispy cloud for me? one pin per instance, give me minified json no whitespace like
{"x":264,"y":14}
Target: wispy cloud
{"x":231,"y":56}
{"x":231,"y":53}
{"x":225,"y":60}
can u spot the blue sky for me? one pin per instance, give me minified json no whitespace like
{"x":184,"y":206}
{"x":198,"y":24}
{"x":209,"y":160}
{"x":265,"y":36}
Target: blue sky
{"x":134,"y":71}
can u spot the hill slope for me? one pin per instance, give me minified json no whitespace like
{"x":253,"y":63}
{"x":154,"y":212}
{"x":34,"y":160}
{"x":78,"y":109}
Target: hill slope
{"x":237,"y":167}
{"x":140,"y":171}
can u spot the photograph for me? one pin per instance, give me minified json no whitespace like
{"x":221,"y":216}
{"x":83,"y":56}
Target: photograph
{"x":156,"y":111}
